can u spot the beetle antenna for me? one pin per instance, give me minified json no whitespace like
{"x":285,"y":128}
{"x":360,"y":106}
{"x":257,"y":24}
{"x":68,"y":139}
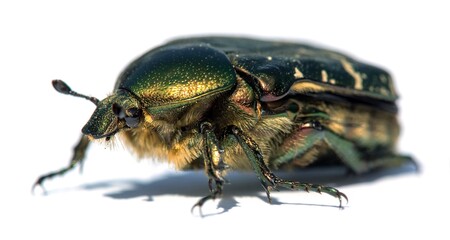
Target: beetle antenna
{"x":63,"y":88}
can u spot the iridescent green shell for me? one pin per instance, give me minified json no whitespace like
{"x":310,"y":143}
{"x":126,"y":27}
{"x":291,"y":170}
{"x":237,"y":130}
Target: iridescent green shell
{"x":279,"y":66}
{"x":175,"y":75}
{"x":172,"y":77}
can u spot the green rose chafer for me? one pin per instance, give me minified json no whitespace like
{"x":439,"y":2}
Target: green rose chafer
{"x":222,"y":104}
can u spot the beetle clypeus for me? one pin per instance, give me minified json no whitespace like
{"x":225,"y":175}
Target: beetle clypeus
{"x":222,"y":103}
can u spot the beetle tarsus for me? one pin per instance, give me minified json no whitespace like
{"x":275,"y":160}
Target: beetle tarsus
{"x":77,"y":159}
{"x":307,"y":187}
{"x":39,"y":182}
{"x":215,"y":192}
{"x":43,"y":178}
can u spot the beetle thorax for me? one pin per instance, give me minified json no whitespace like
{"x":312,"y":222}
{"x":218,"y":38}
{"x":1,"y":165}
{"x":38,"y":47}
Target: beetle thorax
{"x":172,"y":136}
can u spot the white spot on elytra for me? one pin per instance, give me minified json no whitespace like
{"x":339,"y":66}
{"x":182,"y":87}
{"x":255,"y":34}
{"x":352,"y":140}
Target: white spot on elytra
{"x":297,"y":73}
{"x":383,"y":78}
{"x":324,"y":76}
{"x":349,"y":69}
{"x":384,"y":91}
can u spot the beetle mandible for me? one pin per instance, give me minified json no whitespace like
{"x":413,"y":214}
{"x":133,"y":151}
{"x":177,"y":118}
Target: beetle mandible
{"x":223,"y":103}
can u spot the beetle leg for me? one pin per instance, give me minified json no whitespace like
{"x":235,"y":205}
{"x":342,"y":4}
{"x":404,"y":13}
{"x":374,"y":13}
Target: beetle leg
{"x":269,"y":180}
{"x":214,"y":164}
{"x":77,"y":158}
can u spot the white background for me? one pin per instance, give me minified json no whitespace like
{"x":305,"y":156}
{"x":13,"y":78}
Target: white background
{"x":88,"y":43}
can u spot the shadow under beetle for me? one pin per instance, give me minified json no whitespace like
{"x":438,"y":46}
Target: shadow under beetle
{"x":222,"y":103}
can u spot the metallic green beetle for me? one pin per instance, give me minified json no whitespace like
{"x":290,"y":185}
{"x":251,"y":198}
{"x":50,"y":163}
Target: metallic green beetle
{"x":222,"y":103}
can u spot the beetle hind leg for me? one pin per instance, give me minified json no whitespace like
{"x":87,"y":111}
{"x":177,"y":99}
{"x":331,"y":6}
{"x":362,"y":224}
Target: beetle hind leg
{"x":393,"y":161}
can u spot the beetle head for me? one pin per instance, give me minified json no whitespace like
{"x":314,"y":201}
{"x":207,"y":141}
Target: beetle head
{"x":118,"y":111}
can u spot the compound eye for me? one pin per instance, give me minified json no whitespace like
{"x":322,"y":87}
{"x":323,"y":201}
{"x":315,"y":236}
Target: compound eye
{"x":118,"y":111}
{"x":133,"y":117}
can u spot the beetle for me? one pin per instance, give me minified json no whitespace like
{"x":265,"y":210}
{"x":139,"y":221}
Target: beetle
{"x":226,"y":103}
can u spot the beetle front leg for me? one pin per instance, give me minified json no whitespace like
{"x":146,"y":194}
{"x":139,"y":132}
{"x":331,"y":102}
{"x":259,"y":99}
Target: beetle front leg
{"x":269,"y":180}
{"x":214,"y":165}
{"x":79,"y":152}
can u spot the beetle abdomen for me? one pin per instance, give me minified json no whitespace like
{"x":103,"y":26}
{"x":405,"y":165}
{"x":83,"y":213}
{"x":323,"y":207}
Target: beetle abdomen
{"x":342,"y":128}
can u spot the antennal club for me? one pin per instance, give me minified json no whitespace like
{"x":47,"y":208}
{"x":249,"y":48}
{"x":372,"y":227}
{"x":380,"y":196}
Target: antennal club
{"x":63,"y":88}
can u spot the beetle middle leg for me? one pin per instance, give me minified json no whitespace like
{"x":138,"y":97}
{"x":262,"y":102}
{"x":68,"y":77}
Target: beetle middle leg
{"x":269,"y":180}
{"x":79,"y":152}
{"x":214,"y":165}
